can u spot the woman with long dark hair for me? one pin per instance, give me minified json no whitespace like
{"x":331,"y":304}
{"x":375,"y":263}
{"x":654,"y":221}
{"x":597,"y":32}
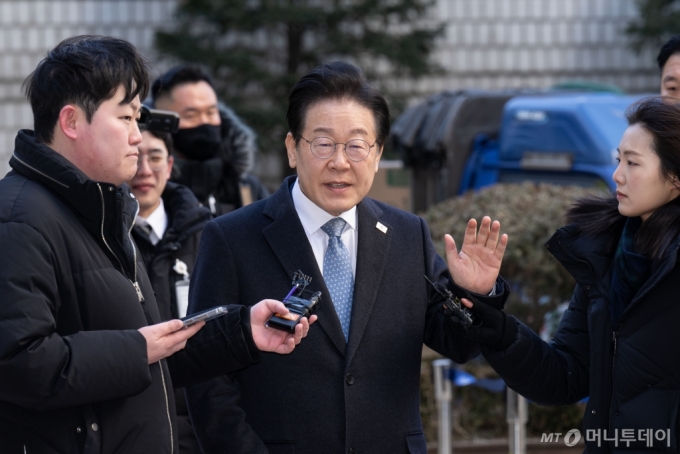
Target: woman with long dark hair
{"x":618,"y":341}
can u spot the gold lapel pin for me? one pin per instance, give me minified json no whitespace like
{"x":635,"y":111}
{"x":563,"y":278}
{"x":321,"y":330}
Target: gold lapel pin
{"x":381,"y":227}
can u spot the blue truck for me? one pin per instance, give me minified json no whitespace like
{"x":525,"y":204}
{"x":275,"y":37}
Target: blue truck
{"x":456,"y":142}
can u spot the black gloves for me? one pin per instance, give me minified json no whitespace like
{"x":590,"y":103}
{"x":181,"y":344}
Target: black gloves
{"x":491,"y":327}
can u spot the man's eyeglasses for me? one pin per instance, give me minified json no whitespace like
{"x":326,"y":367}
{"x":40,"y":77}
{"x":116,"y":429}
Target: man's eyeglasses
{"x":157,"y":162}
{"x":355,"y":150}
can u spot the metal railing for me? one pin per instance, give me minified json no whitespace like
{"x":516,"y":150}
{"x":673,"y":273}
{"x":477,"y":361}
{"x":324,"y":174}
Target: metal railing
{"x":516,"y":415}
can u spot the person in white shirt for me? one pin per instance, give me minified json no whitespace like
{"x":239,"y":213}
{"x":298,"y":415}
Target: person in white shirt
{"x":167,"y":232}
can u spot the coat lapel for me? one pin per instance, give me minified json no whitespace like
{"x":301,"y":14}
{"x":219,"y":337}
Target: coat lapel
{"x":288,"y":240}
{"x":371,"y":262}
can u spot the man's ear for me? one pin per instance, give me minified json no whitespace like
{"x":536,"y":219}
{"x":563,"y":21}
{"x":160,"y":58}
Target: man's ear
{"x":378,"y":155}
{"x":68,"y":119}
{"x":171,"y":161}
{"x":291,"y":151}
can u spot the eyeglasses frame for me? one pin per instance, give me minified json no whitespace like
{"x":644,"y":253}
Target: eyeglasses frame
{"x":336,"y":147}
{"x":160,"y":168}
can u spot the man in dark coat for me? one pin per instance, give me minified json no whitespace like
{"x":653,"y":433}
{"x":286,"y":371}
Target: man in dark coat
{"x":167,"y":232}
{"x":215,"y":151}
{"x":168,"y":228}
{"x":83,"y":353}
{"x":354,"y":385}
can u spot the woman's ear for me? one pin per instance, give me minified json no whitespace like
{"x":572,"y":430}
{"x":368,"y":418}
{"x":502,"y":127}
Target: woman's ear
{"x":675,"y":182}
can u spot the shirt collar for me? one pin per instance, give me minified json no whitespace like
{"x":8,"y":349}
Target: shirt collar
{"x":313,"y":217}
{"x":157,"y":220}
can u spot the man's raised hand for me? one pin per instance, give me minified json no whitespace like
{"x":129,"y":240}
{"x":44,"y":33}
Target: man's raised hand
{"x":476,"y":266}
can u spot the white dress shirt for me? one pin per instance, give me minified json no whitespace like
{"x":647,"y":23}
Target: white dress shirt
{"x":313,"y":218}
{"x":157,"y":220}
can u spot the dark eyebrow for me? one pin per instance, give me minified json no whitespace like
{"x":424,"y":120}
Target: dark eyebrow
{"x":324,"y":130}
{"x":136,"y":105}
{"x":330,"y":131}
{"x":629,"y":152}
{"x":670,"y":78}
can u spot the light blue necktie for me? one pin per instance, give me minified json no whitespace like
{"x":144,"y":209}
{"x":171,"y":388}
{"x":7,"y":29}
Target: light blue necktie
{"x":337,"y":272}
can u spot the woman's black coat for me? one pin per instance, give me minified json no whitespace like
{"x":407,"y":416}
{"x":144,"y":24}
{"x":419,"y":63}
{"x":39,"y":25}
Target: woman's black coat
{"x":630,"y":370}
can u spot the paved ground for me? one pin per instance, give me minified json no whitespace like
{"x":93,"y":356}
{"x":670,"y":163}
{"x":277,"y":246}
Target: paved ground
{"x":500,"y":446}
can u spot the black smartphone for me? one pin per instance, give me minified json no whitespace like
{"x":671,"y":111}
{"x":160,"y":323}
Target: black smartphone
{"x":204,"y":316}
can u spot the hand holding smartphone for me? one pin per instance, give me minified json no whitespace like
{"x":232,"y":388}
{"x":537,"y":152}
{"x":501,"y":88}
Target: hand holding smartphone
{"x":205,"y":315}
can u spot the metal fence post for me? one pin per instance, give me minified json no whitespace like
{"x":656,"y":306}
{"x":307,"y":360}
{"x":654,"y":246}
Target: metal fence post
{"x":443,"y":392}
{"x":517,"y":417}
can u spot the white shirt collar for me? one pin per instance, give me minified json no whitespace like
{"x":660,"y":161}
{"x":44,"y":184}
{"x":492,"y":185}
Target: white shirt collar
{"x":158,"y":220}
{"x":313,"y":217}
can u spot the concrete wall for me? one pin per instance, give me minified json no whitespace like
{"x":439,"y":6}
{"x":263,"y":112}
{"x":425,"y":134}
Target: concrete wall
{"x":493,"y":44}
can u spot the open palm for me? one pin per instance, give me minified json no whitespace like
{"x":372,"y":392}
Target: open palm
{"x":476,"y":266}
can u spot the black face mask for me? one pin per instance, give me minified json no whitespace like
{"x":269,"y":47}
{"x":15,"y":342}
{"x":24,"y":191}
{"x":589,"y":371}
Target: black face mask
{"x":199,"y":143}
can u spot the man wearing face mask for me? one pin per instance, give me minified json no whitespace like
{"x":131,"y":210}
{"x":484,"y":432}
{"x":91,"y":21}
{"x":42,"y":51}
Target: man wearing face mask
{"x":215,"y":150}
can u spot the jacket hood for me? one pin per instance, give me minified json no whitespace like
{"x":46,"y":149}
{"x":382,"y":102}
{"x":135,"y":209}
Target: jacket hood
{"x":183,"y":209}
{"x":238,"y":141}
{"x":101,"y":207}
{"x":41,"y":163}
{"x":588,"y":259}
{"x":581,"y":255}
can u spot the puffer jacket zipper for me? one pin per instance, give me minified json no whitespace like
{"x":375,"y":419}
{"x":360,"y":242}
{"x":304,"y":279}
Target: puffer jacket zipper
{"x":615,"y":334}
{"x":135,"y":284}
{"x":167,"y":407}
{"x":134,"y":256}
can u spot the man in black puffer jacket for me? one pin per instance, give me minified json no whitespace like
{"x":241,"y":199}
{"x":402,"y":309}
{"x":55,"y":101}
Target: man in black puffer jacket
{"x":215,"y":151}
{"x":83,"y":351}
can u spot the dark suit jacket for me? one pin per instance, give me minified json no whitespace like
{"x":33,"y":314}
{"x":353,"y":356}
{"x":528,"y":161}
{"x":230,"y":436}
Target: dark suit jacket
{"x":328,"y":396}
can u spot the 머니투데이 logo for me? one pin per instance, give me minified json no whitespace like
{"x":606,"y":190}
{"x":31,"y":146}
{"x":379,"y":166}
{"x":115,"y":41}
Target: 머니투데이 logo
{"x":571,"y":438}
